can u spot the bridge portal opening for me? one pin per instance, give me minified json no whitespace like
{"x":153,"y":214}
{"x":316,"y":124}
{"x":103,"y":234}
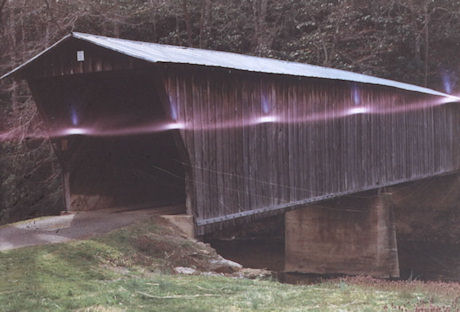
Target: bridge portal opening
{"x":112,"y":140}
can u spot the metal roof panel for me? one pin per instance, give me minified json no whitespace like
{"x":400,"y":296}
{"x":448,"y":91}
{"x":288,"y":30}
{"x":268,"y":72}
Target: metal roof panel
{"x":161,"y":53}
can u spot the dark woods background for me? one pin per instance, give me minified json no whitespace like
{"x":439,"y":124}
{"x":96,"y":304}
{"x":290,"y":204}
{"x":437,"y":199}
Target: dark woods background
{"x":415,"y":41}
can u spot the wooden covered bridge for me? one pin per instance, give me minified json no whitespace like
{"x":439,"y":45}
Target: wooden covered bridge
{"x":236,"y":137}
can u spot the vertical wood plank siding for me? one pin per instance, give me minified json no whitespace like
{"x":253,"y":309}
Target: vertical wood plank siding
{"x":315,"y":151}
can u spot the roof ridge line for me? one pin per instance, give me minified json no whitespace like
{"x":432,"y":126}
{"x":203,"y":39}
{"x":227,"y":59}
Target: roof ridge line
{"x":164,"y":53}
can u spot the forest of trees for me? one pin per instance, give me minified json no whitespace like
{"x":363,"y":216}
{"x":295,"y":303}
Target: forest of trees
{"x":415,"y":41}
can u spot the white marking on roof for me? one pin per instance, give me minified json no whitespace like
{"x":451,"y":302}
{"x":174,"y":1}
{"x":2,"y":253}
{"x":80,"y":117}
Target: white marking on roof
{"x":161,"y":53}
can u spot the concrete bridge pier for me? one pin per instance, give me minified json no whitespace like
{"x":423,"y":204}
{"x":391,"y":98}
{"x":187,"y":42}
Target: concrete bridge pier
{"x":349,"y":235}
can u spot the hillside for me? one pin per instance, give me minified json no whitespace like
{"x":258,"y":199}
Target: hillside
{"x":135,"y":269}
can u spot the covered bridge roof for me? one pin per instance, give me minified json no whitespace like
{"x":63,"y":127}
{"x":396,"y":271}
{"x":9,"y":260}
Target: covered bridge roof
{"x":160,"y":53}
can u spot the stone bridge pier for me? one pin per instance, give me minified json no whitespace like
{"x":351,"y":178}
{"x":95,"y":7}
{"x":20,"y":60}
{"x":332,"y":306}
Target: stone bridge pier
{"x":350,"y":235}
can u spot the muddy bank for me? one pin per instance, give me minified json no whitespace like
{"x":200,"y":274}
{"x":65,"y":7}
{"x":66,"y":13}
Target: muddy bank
{"x":429,"y":262}
{"x":417,"y":260}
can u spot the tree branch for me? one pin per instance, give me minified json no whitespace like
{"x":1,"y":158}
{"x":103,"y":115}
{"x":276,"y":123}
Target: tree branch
{"x":2,"y":6}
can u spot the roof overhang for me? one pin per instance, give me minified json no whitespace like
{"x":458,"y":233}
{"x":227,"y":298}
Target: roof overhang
{"x":23,"y":66}
{"x":160,"y":53}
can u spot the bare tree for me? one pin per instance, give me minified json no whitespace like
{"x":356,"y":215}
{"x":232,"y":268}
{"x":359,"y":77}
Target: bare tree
{"x":205,"y":20}
{"x":259,"y":10}
{"x":188,"y":23}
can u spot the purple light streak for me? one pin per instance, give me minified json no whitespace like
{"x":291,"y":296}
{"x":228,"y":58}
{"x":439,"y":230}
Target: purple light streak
{"x":266,"y":119}
{"x":75,"y":131}
{"x":357,"y":110}
{"x":111,"y":131}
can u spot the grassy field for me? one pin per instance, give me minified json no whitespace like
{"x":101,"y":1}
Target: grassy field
{"x":132,"y":270}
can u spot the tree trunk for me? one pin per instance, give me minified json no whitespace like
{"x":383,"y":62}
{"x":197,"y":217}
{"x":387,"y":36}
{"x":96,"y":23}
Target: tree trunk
{"x":116,"y":29}
{"x":52,"y":19}
{"x":154,"y":8}
{"x":188,"y":24}
{"x":205,"y":20}
{"x":259,"y":9}
{"x":2,"y":6}
{"x":427,"y":43}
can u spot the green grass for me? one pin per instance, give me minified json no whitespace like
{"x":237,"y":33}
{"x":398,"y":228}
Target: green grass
{"x":127,"y":270}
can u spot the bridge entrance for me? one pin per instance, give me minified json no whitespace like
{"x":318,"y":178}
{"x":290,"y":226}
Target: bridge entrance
{"x":114,"y":147}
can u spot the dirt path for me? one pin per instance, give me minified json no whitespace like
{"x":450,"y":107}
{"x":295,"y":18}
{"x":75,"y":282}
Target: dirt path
{"x":79,"y":225}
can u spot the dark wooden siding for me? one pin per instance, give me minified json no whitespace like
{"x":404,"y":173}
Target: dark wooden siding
{"x":62,"y":61}
{"x":315,"y":151}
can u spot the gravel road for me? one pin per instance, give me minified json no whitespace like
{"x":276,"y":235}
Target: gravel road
{"x":78,"y":225}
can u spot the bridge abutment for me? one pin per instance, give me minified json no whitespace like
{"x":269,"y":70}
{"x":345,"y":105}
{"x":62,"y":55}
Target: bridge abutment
{"x":350,"y":235}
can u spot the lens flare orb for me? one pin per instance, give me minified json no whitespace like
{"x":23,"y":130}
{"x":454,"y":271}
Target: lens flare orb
{"x":75,"y":131}
{"x":358,"y":110}
{"x":267,"y":119}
